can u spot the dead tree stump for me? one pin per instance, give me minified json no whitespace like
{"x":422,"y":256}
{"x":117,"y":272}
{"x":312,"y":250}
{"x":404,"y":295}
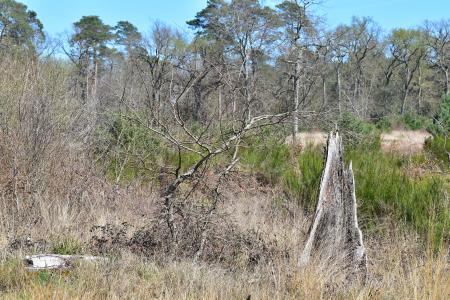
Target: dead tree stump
{"x":334,"y":236}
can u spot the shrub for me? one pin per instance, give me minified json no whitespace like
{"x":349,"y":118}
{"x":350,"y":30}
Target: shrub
{"x":268,"y":156}
{"x":384,"y":124}
{"x":408,"y":121}
{"x":277,"y":164}
{"x":132,"y":151}
{"x":384,"y":189}
{"x":357,"y":132}
{"x":415,"y":122}
{"x":439,"y":147}
{"x":310,"y":164}
{"x":441,"y":124}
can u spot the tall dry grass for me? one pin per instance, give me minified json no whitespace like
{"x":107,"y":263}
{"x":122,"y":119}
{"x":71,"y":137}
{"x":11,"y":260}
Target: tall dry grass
{"x":399,"y":270}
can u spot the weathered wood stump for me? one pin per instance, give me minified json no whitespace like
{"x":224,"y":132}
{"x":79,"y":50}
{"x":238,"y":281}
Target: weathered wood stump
{"x":334,"y":236}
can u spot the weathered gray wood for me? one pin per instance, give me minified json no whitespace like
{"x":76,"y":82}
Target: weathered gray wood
{"x":334,"y":236}
{"x":57,"y":261}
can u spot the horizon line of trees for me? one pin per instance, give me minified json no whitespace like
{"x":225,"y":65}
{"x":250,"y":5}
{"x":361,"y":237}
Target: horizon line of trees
{"x":246,"y":58}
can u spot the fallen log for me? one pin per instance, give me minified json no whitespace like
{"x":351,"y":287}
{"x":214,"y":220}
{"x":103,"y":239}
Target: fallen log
{"x":334,"y":236}
{"x":57,"y":261}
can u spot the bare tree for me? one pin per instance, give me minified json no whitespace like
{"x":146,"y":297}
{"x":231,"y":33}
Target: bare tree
{"x":299,"y":27}
{"x":438,"y":44}
{"x":408,"y":50}
{"x":221,"y":134}
{"x":361,"y":40}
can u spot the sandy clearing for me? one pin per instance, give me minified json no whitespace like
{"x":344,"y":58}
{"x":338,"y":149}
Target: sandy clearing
{"x":400,"y":141}
{"x":404,"y":141}
{"x":304,"y":139}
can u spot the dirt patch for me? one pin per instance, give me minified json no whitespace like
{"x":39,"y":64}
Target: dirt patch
{"x":404,"y":141}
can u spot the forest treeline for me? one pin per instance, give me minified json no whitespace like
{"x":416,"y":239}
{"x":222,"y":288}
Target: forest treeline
{"x":245,"y":59}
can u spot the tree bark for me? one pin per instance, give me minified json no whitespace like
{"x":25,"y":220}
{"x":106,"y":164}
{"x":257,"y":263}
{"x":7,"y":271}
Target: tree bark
{"x":248,"y":92}
{"x":405,"y":97}
{"x":95,"y":77}
{"x":297,"y":93}
{"x":406,"y":93}
{"x":419,"y":96}
{"x":339,"y":89}
{"x":334,"y":236}
{"x":446,"y":82}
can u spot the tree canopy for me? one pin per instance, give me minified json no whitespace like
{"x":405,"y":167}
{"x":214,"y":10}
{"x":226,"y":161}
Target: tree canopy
{"x":18,"y":25}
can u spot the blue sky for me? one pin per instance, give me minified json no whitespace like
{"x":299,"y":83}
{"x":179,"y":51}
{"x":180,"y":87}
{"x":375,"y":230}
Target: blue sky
{"x":58,"y":15}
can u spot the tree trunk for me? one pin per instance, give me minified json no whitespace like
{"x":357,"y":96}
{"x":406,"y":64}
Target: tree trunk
{"x":419,"y":97}
{"x":87,"y":67}
{"x":356,"y":94}
{"x":248,"y":92}
{"x":405,"y":95}
{"x":95,"y":77}
{"x":3,"y":32}
{"x":339,"y":89}
{"x":220,"y":103}
{"x":446,"y":82}
{"x":296,"y":93}
{"x":334,"y":236}
{"x":197,"y":103}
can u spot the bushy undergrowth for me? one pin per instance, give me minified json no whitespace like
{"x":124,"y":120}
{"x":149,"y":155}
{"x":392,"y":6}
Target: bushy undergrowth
{"x":416,"y":122}
{"x":133,"y":152}
{"x":385,"y":189}
{"x":439,"y":148}
{"x":358,"y":133}
{"x":408,"y":121}
{"x":276,"y":164}
{"x":441,"y":125}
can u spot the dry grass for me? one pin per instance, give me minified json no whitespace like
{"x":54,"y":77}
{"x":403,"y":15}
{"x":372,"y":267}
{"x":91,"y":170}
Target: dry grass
{"x":401,"y":265}
{"x":304,"y":139}
{"x":397,"y":272}
{"x":404,"y":141}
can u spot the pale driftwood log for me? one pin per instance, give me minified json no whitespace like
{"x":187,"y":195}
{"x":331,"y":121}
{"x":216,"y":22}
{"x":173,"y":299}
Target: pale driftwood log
{"x":57,"y":261}
{"x":334,"y":236}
